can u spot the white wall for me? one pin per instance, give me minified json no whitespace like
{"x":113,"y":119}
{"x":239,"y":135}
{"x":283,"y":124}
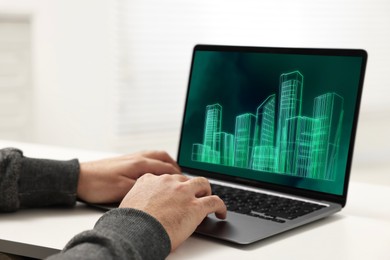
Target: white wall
{"x":75,"y":63}
{"x":160,"y":35}
{"x":71,"y":70}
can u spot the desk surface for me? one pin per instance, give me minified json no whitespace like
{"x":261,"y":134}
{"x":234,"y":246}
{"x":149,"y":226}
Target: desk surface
{"x":360,"y":231}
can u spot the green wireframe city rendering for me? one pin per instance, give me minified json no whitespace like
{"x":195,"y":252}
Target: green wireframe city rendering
{"x":277,"y":138}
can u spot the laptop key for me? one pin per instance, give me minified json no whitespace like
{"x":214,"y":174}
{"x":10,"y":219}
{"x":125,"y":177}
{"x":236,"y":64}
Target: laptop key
{"x":274,"y":208}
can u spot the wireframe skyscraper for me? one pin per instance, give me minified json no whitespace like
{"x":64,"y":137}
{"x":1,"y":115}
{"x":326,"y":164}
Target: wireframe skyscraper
{"x":329,"y":111}
{"x":290,"y":105}
{"x":263,"y":154}
{"x":244,"y":133}
{"x":225,"y":148}
{"x":300,"y":148}
{"x":213,"y":124}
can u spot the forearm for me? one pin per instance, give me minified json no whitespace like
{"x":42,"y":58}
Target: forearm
{"x":28,"y":182}
{"x":120,"y":234}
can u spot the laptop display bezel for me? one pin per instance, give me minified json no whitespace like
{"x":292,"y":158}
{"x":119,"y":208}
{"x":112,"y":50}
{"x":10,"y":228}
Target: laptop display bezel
{"x":340,"y":199}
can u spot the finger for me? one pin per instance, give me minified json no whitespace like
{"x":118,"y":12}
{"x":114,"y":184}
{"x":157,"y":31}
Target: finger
{"x":200,"y":186}
{"x":167,"y":179}
{"x":181,"y":178}
{"x":162,"y":156}
{"x":159,"y":167}
{"x":213,"y":204}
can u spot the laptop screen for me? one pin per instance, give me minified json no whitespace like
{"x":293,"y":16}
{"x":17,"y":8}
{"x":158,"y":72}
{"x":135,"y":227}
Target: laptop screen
{"x":275,"y":115}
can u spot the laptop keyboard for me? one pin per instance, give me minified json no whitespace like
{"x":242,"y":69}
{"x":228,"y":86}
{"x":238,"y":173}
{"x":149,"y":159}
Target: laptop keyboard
{"x":264,"y":206}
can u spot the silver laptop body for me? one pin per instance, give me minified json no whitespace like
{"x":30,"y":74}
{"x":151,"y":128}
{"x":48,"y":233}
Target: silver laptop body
{"x":280,"y":121}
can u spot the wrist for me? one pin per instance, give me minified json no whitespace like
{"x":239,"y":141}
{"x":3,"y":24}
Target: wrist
{"x":82,"y":184}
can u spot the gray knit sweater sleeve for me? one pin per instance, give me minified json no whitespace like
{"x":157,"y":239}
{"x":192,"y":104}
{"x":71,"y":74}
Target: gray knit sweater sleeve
{"x":29,"y":182}
{"x":120,"y":234}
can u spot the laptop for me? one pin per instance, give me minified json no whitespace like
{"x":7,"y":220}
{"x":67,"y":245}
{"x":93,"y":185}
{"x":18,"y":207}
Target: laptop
{"x":273,"y":130}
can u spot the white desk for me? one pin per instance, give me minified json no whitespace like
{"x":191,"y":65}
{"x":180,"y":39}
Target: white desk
{"x":360,"y":231}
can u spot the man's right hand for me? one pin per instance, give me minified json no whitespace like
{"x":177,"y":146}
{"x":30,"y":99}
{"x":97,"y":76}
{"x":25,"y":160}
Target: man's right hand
{"x":176,"y":201}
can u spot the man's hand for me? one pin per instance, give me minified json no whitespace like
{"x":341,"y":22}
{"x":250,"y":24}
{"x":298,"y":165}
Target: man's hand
{"x":177,"y":202}
{"x":109,"y":180}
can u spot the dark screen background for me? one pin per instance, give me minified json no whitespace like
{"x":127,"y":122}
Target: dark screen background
{"x":240,"y":81}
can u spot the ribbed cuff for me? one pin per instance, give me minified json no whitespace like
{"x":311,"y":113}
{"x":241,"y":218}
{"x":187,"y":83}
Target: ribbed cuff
{"x":45,"y":182}
{"x":10,"y":168}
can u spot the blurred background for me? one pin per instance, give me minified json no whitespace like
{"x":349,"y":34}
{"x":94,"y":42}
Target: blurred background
{"x":111,"y":75}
